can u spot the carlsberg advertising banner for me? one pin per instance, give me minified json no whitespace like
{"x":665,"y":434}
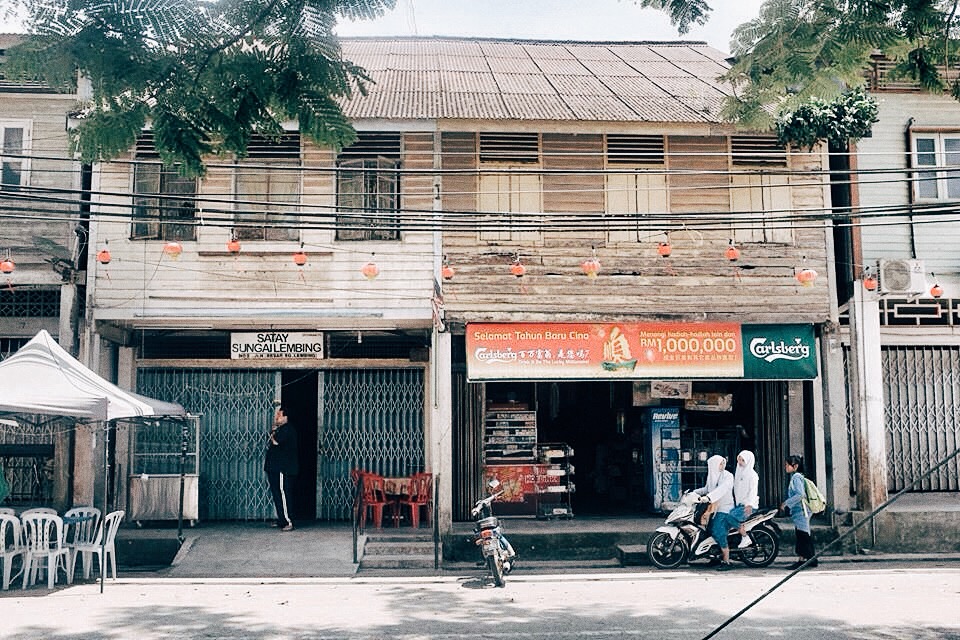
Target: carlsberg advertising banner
{"x":779,"y":351}
{"x":639,"y":350}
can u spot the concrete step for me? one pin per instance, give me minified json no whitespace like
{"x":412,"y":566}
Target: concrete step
{"x":632,"y":554}
{"x":380,"y":548}
{"x":404,"y":561}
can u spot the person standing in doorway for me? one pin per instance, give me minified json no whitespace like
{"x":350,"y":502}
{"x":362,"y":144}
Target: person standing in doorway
{"x":281,"y":465}
{"x":799,"y":512}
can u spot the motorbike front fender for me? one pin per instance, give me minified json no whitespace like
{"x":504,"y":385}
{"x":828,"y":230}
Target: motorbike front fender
{"x":673,"y":531}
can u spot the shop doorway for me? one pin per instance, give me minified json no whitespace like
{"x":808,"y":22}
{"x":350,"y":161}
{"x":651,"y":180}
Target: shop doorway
{"x":608,"y":424}
{"x":298,"y":396}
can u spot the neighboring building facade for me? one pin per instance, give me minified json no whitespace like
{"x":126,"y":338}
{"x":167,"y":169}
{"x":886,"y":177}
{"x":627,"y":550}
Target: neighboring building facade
{"x":909,"y":340}
{"x":42,"y":243}
{"x":479,"y":160}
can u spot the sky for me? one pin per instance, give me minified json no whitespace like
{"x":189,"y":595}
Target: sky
{"x":550,"y":19}
{"x":538,"y":19}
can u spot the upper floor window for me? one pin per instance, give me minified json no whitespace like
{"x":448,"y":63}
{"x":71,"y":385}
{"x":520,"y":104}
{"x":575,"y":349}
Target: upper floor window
{"x":268,"y":189}
{"x":636,"y":186}
{"x":760,"y":196}
{"x":15,"y":136}
{"x":509,"y":191}
{"x":368,"y":188}
{"x":937,"y":153}
{"x":164,"y":202}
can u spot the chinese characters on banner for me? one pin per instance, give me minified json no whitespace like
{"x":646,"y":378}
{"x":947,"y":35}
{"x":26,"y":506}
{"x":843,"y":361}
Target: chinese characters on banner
{"x":604,"y":350}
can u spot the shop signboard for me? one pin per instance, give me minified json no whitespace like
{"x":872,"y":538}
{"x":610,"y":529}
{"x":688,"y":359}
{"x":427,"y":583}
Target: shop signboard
{"x":276,"y":344}
{"x":638,"y":351}
{"x":779,"y":351}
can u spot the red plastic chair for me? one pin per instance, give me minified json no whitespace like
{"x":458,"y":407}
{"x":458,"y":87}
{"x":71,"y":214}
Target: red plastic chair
{"x":373,"y":499}
{"x":421,"y":496}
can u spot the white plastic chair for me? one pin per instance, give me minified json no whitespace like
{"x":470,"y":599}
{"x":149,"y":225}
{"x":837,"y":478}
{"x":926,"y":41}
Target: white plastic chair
{"x":82,"y":525}
{"x":43,"y":535}
{"x":7,"y":511}
{"x":11,"y":546}
{"x":110,"y":524}
{"x":38,"y":510}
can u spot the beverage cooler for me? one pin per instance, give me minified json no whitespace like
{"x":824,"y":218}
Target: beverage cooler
{"x":663,"y":426}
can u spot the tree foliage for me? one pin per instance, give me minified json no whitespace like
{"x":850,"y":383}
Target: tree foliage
{"x":846,"y":118}
{"x":799,"y":52}
{"x":204,"y":74}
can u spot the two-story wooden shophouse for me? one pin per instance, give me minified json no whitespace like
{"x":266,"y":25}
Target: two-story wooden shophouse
{"x":583,"y":276}
{"x":42,"y":258}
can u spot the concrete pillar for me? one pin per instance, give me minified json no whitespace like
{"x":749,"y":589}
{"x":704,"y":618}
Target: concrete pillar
{"x":836,"y":447}
{"x":126,"y":379}
{"x":866,"y":383}
{"x":441,"y":419}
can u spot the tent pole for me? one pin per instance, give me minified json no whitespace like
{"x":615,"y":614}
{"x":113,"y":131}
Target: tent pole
{"x":106,"y":510}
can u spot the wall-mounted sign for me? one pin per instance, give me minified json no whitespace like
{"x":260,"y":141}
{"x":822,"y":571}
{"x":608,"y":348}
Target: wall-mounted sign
{"x":276,"y":344}
{"x":639,"y":350}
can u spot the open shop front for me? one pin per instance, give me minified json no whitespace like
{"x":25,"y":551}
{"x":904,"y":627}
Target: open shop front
{"x":630,"y":439}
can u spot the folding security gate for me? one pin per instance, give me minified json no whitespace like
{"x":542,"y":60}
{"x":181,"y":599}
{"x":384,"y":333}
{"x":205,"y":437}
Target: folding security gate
{"x":370,"y":419}
{"x":235,"y":408}
{"x":921,"y":391}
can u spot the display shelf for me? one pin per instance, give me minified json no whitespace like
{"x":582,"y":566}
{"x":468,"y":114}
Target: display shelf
{"x":510,"y":437}
{"x":556,"y":487}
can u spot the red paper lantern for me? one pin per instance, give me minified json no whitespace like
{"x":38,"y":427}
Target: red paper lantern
{"x":517,"y":269}
{"x":446,"y":271}
{"x":806,"y":277}
{"x":7,"y":265}
{"x":870,"y":283}
{"x":664,"y":249}
{"x":103,"y":256}
{"x":300,"y":258}
{"x":732,"y":253}
{"x":936,"y":290}
{"x":173,"y":249}
{"x":233,"y":246}
{"x":591,"y":267}
{"x":370,"y":270}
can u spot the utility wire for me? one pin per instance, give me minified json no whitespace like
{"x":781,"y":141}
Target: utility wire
{"x":869,"y":518}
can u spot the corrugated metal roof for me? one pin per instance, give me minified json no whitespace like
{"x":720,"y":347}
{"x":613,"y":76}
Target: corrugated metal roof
{"x":466,"y":78}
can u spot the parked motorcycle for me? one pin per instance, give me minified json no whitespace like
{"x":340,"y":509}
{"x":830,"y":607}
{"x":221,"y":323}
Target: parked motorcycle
{"x":497,"y":553}
{"x":682,"y":538}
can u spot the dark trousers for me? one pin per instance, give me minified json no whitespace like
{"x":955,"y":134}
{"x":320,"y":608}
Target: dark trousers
{"x":281,"y":497}
{"x":804,"y":545}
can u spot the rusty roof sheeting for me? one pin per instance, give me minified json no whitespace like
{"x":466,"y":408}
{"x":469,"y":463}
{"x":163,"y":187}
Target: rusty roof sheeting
{"x":465,"y":78}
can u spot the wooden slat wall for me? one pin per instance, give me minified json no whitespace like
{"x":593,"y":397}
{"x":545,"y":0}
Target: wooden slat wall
{"x":33,"y":242}
{"x":697,"y":283}
{"x":141,"y":281}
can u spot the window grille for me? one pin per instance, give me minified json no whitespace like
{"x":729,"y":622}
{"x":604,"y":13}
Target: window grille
{"x":368,"y":182}
{"x":164,"y":202}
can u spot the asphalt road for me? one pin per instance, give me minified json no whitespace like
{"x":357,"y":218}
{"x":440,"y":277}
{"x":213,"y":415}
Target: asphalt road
{"x":882,"y":600}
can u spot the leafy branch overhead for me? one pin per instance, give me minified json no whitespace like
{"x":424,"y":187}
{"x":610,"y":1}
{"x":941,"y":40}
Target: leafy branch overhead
{"x":844,"y":119}
{"x":797,"y":52}
{"x":204,"y":74}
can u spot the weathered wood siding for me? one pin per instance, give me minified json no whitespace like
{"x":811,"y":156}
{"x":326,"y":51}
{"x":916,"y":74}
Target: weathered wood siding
{"x":207,"y":282}
{"x":45,"y":232}
{"x":696,"y":283}
{"x":888,"y":149}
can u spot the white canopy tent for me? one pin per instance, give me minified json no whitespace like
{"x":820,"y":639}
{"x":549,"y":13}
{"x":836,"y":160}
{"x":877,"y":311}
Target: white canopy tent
{"x":42,"y":378}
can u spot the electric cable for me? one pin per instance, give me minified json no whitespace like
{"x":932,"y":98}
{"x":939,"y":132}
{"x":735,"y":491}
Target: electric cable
{"x":868,"y":518}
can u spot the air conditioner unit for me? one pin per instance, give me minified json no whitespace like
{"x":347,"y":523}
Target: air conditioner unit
{"x":902,"y":276}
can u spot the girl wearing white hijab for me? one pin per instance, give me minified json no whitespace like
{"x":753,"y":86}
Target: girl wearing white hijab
{"x":746,"y":498}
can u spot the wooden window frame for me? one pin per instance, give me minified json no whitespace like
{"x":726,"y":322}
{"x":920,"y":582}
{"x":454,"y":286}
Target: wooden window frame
{"x":760,"y":184}
{"x":164,"y":209}
{"x":941,"y":178}
{"x":636,"y":183}
{"x":23,"y":153}
{"x":365,"y":186}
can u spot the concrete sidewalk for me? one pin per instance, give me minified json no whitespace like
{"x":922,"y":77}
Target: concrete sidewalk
{"x":320,"y":550}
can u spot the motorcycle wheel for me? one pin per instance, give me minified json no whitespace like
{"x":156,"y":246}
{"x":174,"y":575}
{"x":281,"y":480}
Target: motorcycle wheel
{"x":763,"y":551}
{"x":495,"y":564}
{"x":666,"y":552}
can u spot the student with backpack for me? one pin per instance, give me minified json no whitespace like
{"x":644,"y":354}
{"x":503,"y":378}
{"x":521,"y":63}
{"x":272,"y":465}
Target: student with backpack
{"x":799,"y":511}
